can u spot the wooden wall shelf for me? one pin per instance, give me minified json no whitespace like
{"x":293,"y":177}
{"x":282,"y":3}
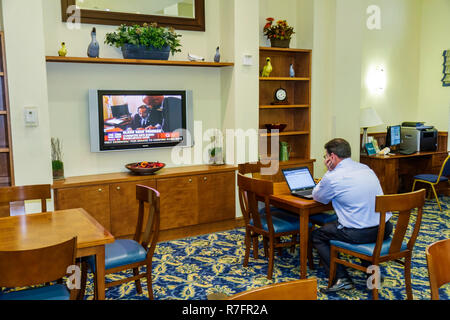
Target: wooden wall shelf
{"x":285,"y":133}
{"x":285,"y":106}
{"x":139,"y":62}
{"x":284,"y":78}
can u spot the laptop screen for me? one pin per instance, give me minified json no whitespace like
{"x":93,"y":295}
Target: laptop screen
{"x":299,"y":178}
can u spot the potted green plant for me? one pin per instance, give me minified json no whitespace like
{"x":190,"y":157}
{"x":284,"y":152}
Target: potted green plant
{"x":279,"y":34}
{"x":145,"y":42}
{"x":57,"y":163}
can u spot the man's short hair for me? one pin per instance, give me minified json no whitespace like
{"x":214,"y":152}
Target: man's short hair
{"x":143,"y":107}
{"x":339,"y":147}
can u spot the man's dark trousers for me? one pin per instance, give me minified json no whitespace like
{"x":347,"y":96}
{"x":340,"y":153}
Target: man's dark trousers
{"x":334,"y":231}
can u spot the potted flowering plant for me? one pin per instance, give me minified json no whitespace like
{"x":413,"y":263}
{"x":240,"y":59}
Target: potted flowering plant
{"x":279,"y":34}
{"x":145,"y":42}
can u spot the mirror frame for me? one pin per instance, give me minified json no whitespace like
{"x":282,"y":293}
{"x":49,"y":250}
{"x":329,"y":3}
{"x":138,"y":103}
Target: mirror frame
{"x":118,"y":18}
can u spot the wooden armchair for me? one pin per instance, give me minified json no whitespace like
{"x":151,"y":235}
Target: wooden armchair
{"x":385,"y":250}
{"x":125,"y":254}
{"x":438,"y":261}
{"x":38,"y":266}
{"x":305,"y":289}
{"x":12,"y":198}
{"x":270,"y":224}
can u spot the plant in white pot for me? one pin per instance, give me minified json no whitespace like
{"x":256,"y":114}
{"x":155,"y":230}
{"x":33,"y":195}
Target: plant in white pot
{"x":145,"y":42}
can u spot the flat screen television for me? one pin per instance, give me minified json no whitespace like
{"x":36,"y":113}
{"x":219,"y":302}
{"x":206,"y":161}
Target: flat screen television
{"x":136,"y":119}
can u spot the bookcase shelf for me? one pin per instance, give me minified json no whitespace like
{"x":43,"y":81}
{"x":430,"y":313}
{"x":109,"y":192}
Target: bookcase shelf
{"x":296,"y":114}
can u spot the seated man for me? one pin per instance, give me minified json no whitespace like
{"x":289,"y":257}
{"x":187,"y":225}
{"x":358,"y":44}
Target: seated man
{"x":352,"y":188}
{"x":145,"y":118}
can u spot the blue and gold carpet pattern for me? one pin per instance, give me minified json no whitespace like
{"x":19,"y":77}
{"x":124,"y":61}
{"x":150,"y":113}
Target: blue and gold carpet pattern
{"x":192,"y":268}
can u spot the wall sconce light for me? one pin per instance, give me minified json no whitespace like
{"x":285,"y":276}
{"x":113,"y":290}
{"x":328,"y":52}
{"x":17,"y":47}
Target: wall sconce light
{"x":376,"y":80}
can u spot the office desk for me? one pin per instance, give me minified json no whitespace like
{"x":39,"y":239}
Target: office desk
{"x":283,"y":199}
{"x":396,"y":172}
{"x":31,"y":231}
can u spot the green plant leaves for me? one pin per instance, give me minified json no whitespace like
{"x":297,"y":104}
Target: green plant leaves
{"x":145,"y":35}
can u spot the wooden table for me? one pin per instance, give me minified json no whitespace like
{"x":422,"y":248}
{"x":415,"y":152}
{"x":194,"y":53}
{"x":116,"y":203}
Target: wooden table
{"x":283,"y":199}
{"x":37,"y":230}
{"x":396,"y":172}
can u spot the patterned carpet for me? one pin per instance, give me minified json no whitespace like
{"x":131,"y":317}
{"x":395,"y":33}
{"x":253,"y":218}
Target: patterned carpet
{"x":192,"y":268}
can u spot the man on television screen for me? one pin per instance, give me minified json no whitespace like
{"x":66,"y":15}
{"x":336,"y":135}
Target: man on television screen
{"x":170,"y":108}
{"x":146,"y":118}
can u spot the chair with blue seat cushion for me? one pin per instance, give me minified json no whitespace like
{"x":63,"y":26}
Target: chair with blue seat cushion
{"x":28,"y":268}
{"x":127,"y":254}
{"x":395,"y":247}
{"x":271,"y":225}
{"x":434,"y":179}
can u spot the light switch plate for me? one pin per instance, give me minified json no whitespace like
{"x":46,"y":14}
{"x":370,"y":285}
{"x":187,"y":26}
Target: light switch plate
{"x":31,"y":116}
{"x":247,"y":60}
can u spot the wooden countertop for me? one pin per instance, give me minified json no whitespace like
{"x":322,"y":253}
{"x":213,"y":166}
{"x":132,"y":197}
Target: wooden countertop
{"x":116,"y":177}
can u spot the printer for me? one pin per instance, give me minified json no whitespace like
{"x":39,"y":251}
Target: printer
{"x":415,"y":137}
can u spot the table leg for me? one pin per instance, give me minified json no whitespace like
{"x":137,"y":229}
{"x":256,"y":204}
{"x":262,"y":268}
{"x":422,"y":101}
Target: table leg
{"x":304,"y":220}
{"x":100,"y":272}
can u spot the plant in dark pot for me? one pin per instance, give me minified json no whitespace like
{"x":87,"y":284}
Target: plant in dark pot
{"x":145,"y":42}
{"x":279,"y":33}
{"x":57,"y":163}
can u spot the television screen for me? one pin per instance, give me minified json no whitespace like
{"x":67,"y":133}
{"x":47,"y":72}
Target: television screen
{"x":137,"y":119}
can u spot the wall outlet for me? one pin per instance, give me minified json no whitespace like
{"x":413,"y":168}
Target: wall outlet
{"x":31,"y":116}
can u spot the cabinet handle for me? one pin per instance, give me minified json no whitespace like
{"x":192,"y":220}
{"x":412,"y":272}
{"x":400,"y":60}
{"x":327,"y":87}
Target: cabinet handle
{"x":100,"y":190}
{"x":205,"y":178}
{"x":190,"y":180}
{"x":118,"y":188}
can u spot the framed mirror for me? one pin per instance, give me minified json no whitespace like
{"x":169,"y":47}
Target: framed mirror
{"x":179,"y":14}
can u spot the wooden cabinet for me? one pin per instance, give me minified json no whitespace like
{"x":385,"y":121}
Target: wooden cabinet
{"x":179,"y":202}
{"x":296,"y":113}
{"x":215,"y":190}
{"x":6,"y":160}
{"x":94,"y":199}
{"x":124,"y":206}
{"x":189,"y":196}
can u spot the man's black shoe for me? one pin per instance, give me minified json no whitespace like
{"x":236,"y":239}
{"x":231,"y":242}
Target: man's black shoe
{"x":340,"y":284}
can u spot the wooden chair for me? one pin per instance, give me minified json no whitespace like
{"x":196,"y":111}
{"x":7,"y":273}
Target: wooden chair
{"x":11,"y":198}
{"x":438,"y":261}
{"x":305,"y":289}
{"x":126,"y":254}
{"x":385,"y":250}
{"x":33,"y":267}
{"x":271,"y":225}
{"x":433,"y":179}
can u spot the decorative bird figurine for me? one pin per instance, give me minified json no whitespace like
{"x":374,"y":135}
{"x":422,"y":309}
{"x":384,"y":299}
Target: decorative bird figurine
{"x":267,"y":68}
{"x":217,"y":56}
{"x":63,"y":51}
{"x":94,"y":48}
{"x":291,"y":71}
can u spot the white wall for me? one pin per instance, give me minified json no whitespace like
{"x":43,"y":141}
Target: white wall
{"x":434,"y":99}
{"x":25,"y":55}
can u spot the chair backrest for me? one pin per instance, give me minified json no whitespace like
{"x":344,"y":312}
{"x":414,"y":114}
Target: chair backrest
{"x":305,"y":289}
{"x":445,"y":169}
{"x":9,"y":195}
{"x":438,"y":261}
{"x":403,"y":203}
{"x":257,"y":170}
{"x":149,"y":237}
{"x":249,"y":189}
{"x":36,"y":266}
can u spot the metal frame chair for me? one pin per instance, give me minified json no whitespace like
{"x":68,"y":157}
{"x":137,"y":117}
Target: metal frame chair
{"x":433,"y":179}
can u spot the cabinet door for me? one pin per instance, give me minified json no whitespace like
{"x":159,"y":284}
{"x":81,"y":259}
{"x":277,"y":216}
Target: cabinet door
{"x":93,"y":199}
{"x":124,"y":207}
{"x":216,"y":195}
{"x":179,"y":202}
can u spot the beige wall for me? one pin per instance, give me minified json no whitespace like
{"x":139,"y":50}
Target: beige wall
{"x":434,"y":99}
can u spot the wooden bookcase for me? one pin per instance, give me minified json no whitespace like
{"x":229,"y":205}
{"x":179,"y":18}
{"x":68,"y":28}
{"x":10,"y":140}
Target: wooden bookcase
{"x":296,"y":114}
{"x":6,"y":161}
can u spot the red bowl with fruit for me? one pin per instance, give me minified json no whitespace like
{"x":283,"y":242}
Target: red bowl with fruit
{"x":145,"y":167}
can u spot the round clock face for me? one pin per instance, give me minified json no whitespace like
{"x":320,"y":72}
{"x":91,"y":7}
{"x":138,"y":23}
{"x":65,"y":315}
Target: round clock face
{"x":280,"y":94}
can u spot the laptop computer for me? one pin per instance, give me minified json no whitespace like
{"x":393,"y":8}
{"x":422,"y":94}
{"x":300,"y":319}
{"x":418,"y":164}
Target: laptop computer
{"x":300,"y":181}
